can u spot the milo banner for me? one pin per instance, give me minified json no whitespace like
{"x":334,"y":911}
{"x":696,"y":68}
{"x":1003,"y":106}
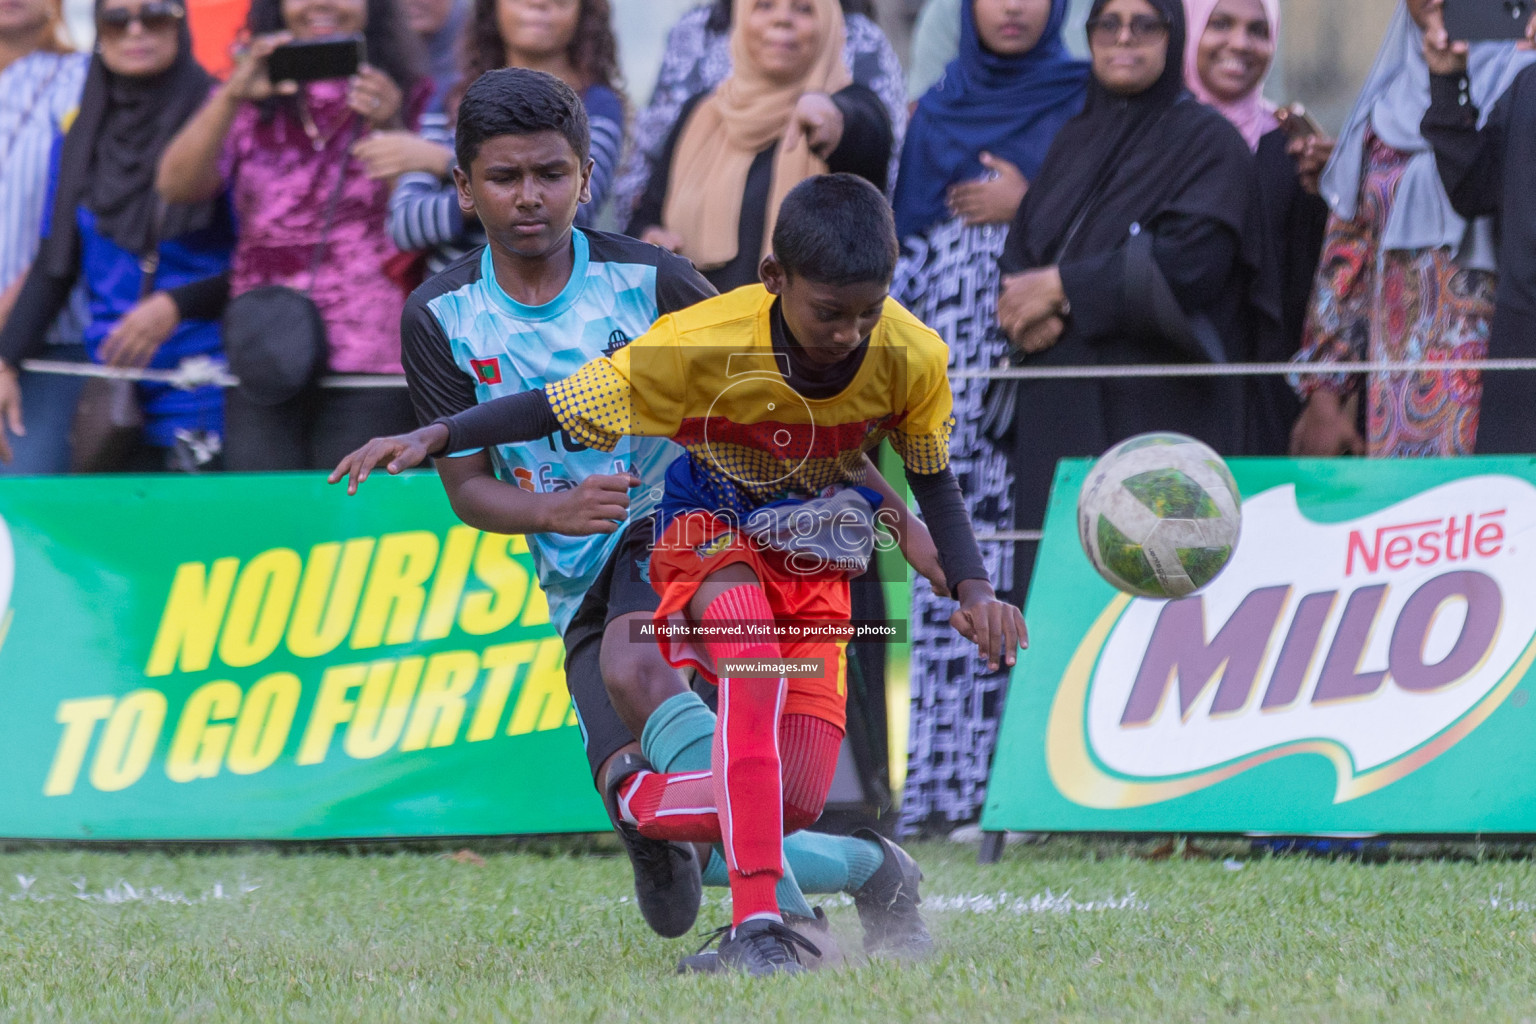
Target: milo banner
{"x":1360,"y":666}
{"x":261,"y":657}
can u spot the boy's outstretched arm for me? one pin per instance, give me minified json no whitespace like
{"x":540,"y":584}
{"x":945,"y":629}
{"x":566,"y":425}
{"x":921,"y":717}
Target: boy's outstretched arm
{"x":912,"y":536}
{"x":599,"y":504}
{"x":996,"y":627}
{"x":515,"y":419}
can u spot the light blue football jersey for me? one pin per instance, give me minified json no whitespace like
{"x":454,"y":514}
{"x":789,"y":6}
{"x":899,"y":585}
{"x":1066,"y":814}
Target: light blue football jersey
{"x":466,"y":341}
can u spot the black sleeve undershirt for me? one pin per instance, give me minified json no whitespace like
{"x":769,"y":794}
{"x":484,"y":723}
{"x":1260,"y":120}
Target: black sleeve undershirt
{"x":202,"y":300}
{"x":1470,"y":160}
{"x":514,"y":419}
{"x":865,"y":148}
{"x":938,"y":498}
{"x":527,"y":416}
{"x":41,"y":299}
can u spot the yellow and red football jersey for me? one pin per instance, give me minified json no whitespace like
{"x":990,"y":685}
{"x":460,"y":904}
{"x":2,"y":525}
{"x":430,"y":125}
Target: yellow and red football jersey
{"x":708,"y":378}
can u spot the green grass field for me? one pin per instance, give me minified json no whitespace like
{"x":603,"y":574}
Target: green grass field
{"x":1067,"y":930}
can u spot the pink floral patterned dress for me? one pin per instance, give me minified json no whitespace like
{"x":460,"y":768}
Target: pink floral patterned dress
{"x":1411,"y":305}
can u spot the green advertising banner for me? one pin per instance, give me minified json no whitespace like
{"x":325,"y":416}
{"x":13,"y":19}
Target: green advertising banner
{"x":261,"y":657}
{"x":1359,"y":667}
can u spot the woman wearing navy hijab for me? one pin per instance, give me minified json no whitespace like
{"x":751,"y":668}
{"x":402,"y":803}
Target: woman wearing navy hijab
{"x":975,"y":141}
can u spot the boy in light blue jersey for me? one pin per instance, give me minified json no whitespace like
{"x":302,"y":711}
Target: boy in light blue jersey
{"x":539,"y":301}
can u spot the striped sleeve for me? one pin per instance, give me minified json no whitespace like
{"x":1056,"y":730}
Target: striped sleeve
{"x":424,"y":213}
{"x":41,"y":90}
{"x":605,"y":114}
{"x":424,"y":210}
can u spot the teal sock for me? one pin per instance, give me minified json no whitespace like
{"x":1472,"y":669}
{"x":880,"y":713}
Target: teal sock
{"x":679,"y":734}
{"x":678,"y":737}
{"x":791,"y":899}
{"x":826,"y":863}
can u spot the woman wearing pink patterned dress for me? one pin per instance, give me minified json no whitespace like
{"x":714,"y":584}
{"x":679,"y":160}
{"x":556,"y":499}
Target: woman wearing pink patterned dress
{"x":1402,"y":277}
{"x":283,"y":150}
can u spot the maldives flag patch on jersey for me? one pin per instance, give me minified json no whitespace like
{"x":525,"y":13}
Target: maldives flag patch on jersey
{"x":487,"y":371}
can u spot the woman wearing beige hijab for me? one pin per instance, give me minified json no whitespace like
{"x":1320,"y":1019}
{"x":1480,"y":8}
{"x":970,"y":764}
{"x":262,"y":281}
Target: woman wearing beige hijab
{"x":789,"y":110}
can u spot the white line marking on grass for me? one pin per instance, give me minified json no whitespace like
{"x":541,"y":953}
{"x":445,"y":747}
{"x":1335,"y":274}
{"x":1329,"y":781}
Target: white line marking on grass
{"x":125,"y":892}
{"x":1046,"y":902}
{"x":1498,"y":901}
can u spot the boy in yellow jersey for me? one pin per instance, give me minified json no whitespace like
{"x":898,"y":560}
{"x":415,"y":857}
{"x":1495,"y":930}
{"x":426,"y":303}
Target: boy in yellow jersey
{"x":776,"y":392}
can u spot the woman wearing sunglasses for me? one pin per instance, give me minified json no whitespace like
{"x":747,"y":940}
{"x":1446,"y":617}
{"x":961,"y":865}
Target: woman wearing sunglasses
{"x":1138,"y":242}
{"x":311,"y":220}
{"x":40,"y":81}
{"x":152,"y":271}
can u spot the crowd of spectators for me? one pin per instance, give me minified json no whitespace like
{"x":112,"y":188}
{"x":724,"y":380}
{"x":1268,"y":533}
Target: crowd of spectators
{"x":1149,"y":205}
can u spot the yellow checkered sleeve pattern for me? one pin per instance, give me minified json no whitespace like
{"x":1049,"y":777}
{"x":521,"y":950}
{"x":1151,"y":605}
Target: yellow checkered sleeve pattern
{"x":922,"y":438}
{"x":924,"y":454}
{"x":593,"y":405}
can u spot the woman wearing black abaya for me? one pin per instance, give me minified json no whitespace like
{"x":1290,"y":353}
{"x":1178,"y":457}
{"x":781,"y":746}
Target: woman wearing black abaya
{"x":106,"y":226}
{"x":1488,"y":166}
{"x":1137,"y":243}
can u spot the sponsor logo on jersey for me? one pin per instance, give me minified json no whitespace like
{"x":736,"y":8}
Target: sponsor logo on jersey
{"x":1377,"y":643}
{"x":712,"y":548}
{"x":616,"y":340}
{"x":487,"y":371}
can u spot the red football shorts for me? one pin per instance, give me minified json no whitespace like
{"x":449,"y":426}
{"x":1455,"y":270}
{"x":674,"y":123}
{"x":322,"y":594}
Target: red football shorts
{"x":698,"y":544}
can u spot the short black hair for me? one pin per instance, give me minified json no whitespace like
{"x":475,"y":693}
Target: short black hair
{"x":836,"y":229}
{"x":517,"y":101}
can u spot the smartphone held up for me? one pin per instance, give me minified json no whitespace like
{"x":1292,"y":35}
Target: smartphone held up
{"x":314,"y":60}
{"x":1478,"y":21}
{"x":1298,"y":124}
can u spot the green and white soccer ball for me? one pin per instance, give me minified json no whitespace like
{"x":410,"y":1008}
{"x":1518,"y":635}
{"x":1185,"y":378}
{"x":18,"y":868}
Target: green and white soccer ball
{"x":1160,"y":515}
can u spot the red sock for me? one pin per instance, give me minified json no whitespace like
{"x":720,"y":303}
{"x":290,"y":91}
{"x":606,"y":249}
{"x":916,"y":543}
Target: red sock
{"x":748,"y":786}
{"x":743,"y":807}
{"x":683,"y":806}
{"x":728,"y":613}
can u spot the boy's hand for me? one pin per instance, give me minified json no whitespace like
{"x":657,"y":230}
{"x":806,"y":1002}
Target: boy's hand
{"x":922,"y":554}
{"x":400,"y":452}
{"x":993,"y":626}
{"x":599,"y":504}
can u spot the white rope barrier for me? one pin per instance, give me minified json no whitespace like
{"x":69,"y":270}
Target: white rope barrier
{"x":1012,"y":537}
{"x":1246,"y":370}
{"x":201,"y":371}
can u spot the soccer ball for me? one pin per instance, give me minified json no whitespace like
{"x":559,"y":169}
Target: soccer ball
{"x":1159,"y":515}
